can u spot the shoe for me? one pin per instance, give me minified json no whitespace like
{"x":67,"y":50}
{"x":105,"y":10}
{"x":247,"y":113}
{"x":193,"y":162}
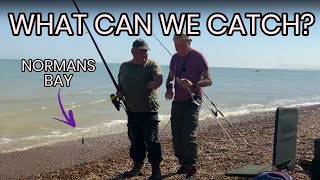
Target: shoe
{"x":182,"y":170}
{"x":306,"y":164}
{"x":191,"y":170}
{"x":155,"y":176}
{"x":135,"y":171}
{"x":156,"y":172}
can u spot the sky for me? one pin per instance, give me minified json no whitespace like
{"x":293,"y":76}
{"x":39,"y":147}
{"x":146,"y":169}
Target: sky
{"x":260,"y":51}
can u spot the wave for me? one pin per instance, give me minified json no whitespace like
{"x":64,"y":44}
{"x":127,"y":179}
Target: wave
{"x":78,"y":93}
{"x":27,"y":147}
{"x":252,"y":108}
{"x":114,"y":123}
{"x":164,"y":117}
{"x":98,"y":101}
{"x":7,"y":114}
{"x":205,"y":113}
{"x":55,"y":136}
{"x":119,"y":125}
{"x":5,"y":141}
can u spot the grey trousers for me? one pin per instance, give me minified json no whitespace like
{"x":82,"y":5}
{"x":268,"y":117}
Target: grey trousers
{"x":184,"y":122}
{"x":143,"y":132}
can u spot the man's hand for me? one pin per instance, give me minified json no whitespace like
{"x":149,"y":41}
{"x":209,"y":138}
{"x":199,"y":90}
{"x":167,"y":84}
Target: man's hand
{"x":119,"y":95}
{"x":185,"y":83}
{"x":169,"y":95}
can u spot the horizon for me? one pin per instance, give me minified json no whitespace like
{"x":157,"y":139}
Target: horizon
{"x":278,"y":67}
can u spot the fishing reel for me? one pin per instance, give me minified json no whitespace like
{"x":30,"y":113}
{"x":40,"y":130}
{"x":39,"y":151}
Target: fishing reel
{"x":115,"y":101}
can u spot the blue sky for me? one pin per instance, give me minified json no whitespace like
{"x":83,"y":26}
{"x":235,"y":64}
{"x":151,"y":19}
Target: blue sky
{"x":260,"y":51}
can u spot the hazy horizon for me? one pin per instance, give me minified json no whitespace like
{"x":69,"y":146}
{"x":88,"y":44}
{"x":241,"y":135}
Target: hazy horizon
{"x":280,"y":66}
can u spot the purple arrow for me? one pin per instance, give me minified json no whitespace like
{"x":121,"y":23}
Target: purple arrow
{"x":69,"y":120}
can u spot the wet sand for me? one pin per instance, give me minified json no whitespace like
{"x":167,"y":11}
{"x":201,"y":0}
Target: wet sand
{"x":108,"y":157}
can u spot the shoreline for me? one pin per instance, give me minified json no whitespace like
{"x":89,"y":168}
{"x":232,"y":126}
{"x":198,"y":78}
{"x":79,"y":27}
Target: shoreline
{"x":107,"y":156}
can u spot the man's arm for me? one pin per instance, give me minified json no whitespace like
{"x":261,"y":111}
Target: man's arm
{"x":157,"y":82}
{"x":169,"y":83}
{"x":206,"y":81}
{"x":157,"y":78}
{"x":119,"y":92}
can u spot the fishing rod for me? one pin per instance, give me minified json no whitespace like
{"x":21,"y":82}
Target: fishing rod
{"x":224,"y":130}
{"x":162,"y":44}
{"x":226,"y":119}
{"x":114,"y":99}
{"x":211,"y":110}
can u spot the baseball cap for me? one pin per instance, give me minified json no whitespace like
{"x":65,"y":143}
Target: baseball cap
{"x":140,"y":44}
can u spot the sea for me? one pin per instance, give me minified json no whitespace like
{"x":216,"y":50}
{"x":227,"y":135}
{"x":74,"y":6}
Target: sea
{"x":27,"y":107}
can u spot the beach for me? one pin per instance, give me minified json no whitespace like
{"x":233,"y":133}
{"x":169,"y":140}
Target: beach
{"x":107,"y":157}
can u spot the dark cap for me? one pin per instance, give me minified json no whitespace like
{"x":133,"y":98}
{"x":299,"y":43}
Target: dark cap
{"x":140,"y":44}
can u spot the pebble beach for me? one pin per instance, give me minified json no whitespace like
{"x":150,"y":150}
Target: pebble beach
{"x":107,"y":157}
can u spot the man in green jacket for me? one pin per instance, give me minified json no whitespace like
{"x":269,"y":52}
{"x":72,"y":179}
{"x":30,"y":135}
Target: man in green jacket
{"x":139,"y":79}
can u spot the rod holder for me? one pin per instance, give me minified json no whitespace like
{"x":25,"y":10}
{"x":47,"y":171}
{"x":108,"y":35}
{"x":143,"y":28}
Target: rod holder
{"x":317,"y":149}
{"x":316,"y":161}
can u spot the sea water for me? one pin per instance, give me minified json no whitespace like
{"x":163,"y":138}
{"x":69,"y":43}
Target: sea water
{"x":27,"y":108}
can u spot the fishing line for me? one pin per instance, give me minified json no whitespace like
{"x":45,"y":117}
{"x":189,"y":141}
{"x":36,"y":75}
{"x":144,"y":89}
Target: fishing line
{"x":226,"y":120}
{"x":211,"y":110}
